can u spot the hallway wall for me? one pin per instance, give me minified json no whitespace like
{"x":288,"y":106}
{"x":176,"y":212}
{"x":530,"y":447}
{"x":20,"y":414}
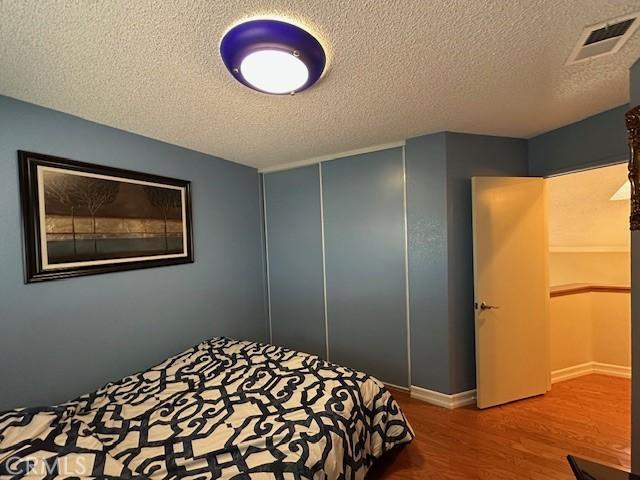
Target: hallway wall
{"x":612,"y":268}
{"x":588,"y":327}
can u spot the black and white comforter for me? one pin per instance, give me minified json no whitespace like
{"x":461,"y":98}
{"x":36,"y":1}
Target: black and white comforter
{"x":222,"y":409}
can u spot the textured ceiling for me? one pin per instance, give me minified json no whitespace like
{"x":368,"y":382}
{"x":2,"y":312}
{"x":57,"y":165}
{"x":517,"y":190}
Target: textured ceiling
{"x":397,"y":68}
{"x":581,"y":213}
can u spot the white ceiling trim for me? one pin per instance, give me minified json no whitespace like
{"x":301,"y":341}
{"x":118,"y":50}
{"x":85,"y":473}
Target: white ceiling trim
{"x":334,"y":156}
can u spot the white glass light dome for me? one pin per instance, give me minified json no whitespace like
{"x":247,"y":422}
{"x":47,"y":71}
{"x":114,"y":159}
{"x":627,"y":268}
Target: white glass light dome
{"x":274,"y":71}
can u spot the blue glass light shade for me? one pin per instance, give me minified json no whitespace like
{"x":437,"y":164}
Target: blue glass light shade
{"x":257,"y":55}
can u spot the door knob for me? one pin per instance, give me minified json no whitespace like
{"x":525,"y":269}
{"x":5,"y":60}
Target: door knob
{"x":485,"y":306}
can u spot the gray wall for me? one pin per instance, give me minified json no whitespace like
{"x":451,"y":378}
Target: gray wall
{"x":67,"y":337}
{"x":294,"y":244}
{"x":635,"y":306}
{"x":593,"y":142}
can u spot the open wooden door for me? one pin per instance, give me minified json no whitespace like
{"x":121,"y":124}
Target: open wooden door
{"x":511,"y":288}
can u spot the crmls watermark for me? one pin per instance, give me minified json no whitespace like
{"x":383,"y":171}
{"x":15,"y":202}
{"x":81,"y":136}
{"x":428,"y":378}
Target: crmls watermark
{"x":70,"y":465}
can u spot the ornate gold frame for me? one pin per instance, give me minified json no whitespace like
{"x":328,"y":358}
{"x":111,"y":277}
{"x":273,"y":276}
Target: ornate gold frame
{"x":632,"y":119}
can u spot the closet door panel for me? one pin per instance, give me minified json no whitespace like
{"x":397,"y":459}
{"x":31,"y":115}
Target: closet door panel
{"x":294,"y":250}
{"x":365,"y":263}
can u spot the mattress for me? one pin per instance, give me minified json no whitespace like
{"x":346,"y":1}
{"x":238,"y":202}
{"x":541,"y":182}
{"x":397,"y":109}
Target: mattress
{"x":222,"y":409}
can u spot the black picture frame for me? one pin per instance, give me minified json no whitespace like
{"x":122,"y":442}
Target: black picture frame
{"x":28,"y":164}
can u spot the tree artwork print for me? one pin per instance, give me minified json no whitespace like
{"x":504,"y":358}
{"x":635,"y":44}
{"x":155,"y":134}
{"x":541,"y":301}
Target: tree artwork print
{"x":84,"y":219}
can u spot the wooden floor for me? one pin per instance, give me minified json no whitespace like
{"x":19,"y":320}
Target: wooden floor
{"x":587,"y":416}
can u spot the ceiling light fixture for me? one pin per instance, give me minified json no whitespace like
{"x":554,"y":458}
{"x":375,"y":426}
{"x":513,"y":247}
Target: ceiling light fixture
{"x":623,"y":193}
{"x":272,"y":56}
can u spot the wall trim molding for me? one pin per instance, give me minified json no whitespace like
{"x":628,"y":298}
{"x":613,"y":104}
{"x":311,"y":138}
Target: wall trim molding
{"x":462,"y":399}
{"x":396,"y":387}
{"x":587,"y":369}
{"x":455,"y":400}
{"x":571,"y":372}
{"x":611,"y":370}
{"x":577,"y":288}
{"x":333,"y":156}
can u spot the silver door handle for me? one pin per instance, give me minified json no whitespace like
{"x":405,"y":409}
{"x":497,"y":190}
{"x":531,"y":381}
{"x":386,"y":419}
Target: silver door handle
{"x":485,"y":306}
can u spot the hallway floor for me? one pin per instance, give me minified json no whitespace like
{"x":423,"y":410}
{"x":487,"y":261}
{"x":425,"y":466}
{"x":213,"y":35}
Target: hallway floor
{"x":587,"y":416}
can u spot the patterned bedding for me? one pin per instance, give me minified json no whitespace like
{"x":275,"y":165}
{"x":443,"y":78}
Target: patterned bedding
{"x":223,"y":409}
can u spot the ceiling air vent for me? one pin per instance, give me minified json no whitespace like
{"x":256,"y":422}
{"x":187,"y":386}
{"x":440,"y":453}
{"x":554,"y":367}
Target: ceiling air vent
{"x":604,"y":38}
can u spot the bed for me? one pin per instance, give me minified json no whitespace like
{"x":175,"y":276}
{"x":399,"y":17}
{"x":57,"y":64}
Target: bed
{"x":222,"y":409}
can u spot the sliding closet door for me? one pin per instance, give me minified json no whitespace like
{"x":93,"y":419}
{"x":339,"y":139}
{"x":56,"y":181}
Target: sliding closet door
{"x":294,"y":250}
{"x":365,"y":263}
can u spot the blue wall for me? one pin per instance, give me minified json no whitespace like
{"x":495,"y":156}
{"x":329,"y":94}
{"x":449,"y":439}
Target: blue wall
{"x":439,"y":171}
{"x":593,"y":142}
{"x":439,"y":168}
{"x":67,"y":337}
{"x":294,"y":240}
{"x":426,"y":170}
{"x":470,"y":156}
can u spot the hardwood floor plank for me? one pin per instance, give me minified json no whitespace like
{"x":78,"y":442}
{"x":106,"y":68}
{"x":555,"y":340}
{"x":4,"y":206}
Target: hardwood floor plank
{"x":588,"y":416}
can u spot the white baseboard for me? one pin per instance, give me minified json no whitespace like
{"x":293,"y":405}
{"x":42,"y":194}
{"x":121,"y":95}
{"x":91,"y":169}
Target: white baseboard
{"x":442,"y":399}
{"x":571,"y":372}
{"x":589,"y":368}
{"x":611,"y":370}
{"x":469,"y":397}
{"x":397,"y":387}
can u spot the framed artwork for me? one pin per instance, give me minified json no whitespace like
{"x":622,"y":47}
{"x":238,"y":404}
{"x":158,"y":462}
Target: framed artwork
{"x":84,"y":219}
